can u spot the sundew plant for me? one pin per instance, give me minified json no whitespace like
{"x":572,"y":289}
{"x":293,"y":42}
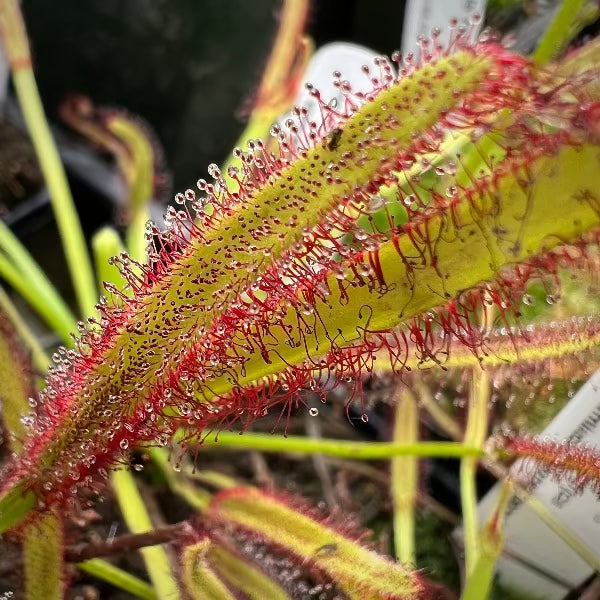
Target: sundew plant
{"x":404,"y":233}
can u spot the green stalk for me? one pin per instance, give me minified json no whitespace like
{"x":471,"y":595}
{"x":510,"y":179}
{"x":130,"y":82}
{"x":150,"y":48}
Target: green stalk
{"x":139,"y":174}
{"x":106,"y":243}
{"x":138,"y":521}
{"x":568,"y":22}
{"x":67,"y":221}
{"x":341,"y":448}
{"x":78,"y":261}
{"x":475,"y":434}
{"x":119,"y":578}
{"x":11,"y":275}
{"x":481,"y":578}
{"x":136,"y":232}
{"x":39,"y":357}
{"x":21,"y":271}
{"x":405,"y":476}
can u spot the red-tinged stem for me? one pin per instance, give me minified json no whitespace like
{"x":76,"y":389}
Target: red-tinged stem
{"x":564,"y":460}
{"x":125,"y":543}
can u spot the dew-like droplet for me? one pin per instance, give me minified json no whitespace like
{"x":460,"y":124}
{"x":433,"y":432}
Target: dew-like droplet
{"x":528,"y":300}
{"x":313,"y":412}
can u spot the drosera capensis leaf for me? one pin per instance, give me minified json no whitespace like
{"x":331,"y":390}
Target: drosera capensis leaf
{"x":42,"y":539}
{"x":577,"y":336}
{"x":242,"y":574}
{"x":409,"y":290}
{"x":250,"y":298}
{"x":16,"y":386}
{"x":43,"y":548}
{"x":360,"y":572}
{"x":198,"y":577}
{"x":574,"y":464}
{"x":211,"y":568}
{"x":204,"y":268}
{"x":15,"y":506}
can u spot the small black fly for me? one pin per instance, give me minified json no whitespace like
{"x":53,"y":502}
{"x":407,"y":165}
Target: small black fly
{"x":334,"y":139}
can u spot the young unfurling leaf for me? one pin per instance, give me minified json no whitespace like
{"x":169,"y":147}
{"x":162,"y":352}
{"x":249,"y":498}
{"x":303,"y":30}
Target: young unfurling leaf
{"x":315,"y":542}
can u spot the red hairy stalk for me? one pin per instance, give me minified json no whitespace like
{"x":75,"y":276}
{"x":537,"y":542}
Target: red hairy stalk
{"x":575,"y":464}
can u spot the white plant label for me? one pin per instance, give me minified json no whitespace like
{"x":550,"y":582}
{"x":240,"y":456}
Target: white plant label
{"x":421,"y":16}
{"x":559,"y":568}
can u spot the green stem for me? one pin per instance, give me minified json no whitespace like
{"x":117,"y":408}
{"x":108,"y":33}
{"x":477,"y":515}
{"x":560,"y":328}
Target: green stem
{"x":560,"y":33}
{"x":24,"y":275}
{"x":11,"y":275}
{"x":119,"y":578}
{"x":405,"y":476}
{"x":480,"y":580}
{"x":340,"y":448}
{"x":40,"y":358}
{"x":138,"y":521}
{"x":106,"y":243}
{"x":67,"y":220}
{"x":136,"y":235}
{"x":475,"y":434}
{"x":468,"y":498}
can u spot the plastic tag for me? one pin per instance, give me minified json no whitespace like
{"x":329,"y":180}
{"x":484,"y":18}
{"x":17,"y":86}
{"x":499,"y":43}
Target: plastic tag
{"x":421,"y":16}
{"x":556,"y":568}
